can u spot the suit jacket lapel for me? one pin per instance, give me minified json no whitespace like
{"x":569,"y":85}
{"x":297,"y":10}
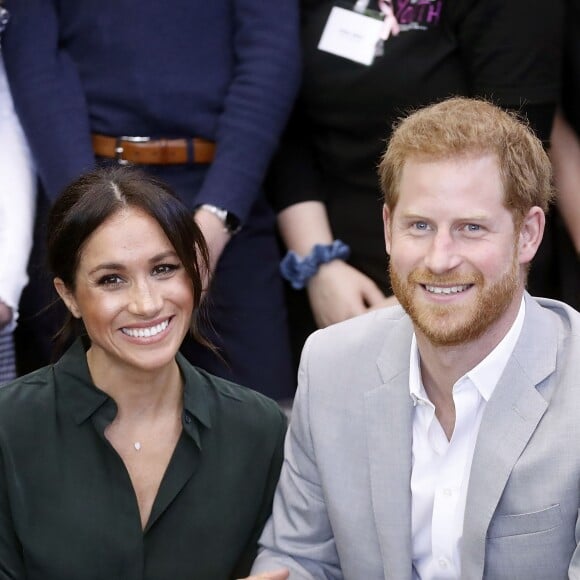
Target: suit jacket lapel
{"x":389,"y":434}
{"x":510,"y":418}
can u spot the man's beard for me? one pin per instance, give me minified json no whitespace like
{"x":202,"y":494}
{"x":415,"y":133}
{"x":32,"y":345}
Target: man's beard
{"x":451,"y":324}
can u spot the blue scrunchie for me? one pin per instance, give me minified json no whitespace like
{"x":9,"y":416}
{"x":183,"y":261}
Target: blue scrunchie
{"x":299,"y":270}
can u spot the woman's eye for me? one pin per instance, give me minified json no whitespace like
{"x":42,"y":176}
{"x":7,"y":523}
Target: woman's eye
{"x":164,"y":269}
{"x":110,"y":280}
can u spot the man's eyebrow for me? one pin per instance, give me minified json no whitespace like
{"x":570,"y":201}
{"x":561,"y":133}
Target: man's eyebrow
{"x":465,"y":218}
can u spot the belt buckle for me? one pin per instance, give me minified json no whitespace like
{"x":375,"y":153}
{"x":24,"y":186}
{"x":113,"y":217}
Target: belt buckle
{"x":119,"y":146}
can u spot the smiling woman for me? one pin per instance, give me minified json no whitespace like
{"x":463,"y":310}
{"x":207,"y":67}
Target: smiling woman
{"x":144,"y":465}
{"x":100,"y":205}
{"x":132,"y":294}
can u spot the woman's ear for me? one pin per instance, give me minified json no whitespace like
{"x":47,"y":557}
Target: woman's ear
{"x":67,"y":297}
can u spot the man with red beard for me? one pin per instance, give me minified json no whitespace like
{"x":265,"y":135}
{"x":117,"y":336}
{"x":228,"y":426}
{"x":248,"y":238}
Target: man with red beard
{"x":441,"y":440}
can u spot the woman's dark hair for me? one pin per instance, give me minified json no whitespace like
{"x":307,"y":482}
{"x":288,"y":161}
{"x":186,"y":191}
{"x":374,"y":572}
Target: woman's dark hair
{"x":98,"y":195}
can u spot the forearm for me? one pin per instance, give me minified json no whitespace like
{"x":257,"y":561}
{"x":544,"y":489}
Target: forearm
{"x":257,"y":104}
{"x":293,"y":176}
{"x":337,"y":290}
{"x":565,"y":154}
{"x":215,"y":235}
{"x":303,"y":225}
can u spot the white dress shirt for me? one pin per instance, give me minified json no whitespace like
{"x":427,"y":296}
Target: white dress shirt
{"x":441,"y":468}
{"x":17,"y":202}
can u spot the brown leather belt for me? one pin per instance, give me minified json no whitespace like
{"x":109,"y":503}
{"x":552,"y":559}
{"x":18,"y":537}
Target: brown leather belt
{"x":146,"y":151}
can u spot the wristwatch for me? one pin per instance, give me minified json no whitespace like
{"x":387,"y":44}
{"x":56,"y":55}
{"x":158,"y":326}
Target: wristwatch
{"x":230,"y":221}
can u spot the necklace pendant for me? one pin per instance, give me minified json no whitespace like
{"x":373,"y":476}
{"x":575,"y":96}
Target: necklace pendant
{"x":137,"y":446}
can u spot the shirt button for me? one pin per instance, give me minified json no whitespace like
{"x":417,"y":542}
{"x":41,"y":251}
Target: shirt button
{"x":187,"y":418}
{"x":443,"y":563}
{"x":448,"y":491}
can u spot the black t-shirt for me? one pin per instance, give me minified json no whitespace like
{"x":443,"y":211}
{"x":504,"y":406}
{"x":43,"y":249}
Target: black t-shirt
{"x":507,"y":51}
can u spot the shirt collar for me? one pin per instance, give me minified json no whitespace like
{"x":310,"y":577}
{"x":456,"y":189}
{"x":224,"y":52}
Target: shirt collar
{"x":487,"y":373}
{"x":417,"y":391}
{"x":83,"y":398}
{"x":484,"y":375}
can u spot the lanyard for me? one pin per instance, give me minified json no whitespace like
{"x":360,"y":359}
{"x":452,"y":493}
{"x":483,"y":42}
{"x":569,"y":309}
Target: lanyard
{"x":391,"y":25}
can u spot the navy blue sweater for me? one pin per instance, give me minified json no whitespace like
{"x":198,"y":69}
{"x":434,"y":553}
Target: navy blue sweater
{"x":225,"y":70}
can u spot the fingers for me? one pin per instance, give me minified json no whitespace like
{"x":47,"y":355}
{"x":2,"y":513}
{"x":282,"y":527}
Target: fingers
{"x":5,"y":314}
{"x":339,"y":291}
{"x":372,"y":295}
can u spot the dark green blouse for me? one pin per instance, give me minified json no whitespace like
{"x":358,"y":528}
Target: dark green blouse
{"x":68,"y":510}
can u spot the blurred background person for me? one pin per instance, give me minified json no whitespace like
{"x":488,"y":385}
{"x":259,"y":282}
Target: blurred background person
{"x":196,"y":92}
{"x":17,"y":200}
{"x":565,"y":153}
{"x":323,"y":181}
{"x":123,"y":460}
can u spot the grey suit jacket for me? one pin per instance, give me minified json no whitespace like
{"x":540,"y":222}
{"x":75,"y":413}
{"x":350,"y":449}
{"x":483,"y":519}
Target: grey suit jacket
{"x":343,"y":504}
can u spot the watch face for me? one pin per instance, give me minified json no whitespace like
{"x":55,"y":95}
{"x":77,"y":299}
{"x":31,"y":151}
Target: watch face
{"x":232,"y":223}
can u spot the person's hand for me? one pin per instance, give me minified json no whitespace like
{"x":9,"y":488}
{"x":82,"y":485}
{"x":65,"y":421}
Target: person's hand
{"x":338,"y":292}
{"x":387,"y":301}
{"x":5,"y":314}
{"x":281,"y":574}
{"x":216,"y":237}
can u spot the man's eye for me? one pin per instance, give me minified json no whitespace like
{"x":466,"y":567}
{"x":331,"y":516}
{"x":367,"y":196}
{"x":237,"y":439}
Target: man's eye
{"x":473,"y":227}
{"x":421,"y":226}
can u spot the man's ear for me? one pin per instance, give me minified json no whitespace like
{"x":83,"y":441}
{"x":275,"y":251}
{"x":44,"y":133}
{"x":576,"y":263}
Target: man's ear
{"x":67,"y":297}
{"x":387,"y":227}
{"x":531,"y":233}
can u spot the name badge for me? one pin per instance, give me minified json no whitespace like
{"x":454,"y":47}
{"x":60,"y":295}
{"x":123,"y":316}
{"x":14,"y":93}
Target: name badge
{"x":351,"y":35}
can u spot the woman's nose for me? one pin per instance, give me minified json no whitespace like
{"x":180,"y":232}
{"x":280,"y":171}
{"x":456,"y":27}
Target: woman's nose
{"x":145,"y":299}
